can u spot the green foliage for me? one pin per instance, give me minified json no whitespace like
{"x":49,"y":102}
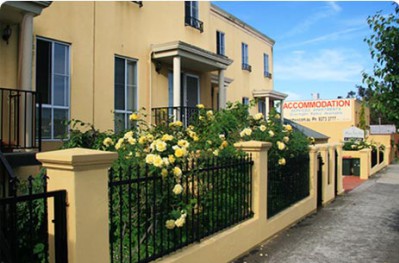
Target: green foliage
{"x":176,"y":155}
{"x":356,"y":145}
{"x":383,"y":83}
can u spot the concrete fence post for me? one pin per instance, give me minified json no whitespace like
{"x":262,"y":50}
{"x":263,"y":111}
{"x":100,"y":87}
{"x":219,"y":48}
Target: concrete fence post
{"x":340,"y":184}
{"x":259,"y":151}
{"x":387,"y":155}
{"x":313,"y":163}
{"x":331,"y":163}
{"x":365,"y":163}
{"x":83,"y":173}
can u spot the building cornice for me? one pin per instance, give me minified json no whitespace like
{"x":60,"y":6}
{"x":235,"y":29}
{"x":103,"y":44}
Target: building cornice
{"x":240,"y":24}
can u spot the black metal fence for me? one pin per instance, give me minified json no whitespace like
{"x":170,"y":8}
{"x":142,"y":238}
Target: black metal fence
{"x":20,"y":120}
{"x":381,"y":156}
{"x":374,"y":160}
{"x":287,"y":184}
{"x":24,"y":233}
{"x":218,"y":193}
{"x":166,"y":115}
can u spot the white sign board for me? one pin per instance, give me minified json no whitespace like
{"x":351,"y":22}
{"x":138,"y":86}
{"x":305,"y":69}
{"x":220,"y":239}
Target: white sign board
{"x":353,"y":133}
{"x":319,"y":110}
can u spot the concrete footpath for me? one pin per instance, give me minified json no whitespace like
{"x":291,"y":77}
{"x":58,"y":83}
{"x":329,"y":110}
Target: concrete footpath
{"x":362,"y":226}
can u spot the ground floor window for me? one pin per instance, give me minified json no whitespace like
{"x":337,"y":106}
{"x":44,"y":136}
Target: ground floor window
{"x":53,"y":84}
{"x":125,"y":92}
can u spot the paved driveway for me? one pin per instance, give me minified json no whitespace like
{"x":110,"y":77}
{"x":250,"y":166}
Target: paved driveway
{"x":361,"y":226}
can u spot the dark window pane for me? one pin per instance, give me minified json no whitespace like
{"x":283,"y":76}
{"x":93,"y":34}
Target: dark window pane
{"x":119,"y":97}
{"x":119,"y":122}
{"x":46,"y":123}
{"x":60,"y":59}
{"x":60,"y":90}
{"x":60,"y":120}
{"x":43,"y":70}
{"x":119,"y":84}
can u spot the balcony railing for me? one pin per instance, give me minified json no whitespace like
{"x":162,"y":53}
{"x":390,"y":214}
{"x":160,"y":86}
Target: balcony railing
{"x":20,"y":120}
{"x":166,"y":115}
{"x":246,"y":66}
{"x":268,"y":74}
{"x":194,"y":22}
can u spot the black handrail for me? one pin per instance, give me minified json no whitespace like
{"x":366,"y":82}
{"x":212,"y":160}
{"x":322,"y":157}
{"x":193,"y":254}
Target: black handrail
{"x":20,"y":114}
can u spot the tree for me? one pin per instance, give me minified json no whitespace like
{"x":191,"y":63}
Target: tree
{"x":383,"y":83}
{"x":351,"y":94}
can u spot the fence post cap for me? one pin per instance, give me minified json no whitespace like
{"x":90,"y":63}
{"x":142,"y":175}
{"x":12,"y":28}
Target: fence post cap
{"x":76,"y":159}
{"x":253,"y":145}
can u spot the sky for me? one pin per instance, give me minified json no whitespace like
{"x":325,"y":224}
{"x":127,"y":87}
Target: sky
{"x":319,"y":45}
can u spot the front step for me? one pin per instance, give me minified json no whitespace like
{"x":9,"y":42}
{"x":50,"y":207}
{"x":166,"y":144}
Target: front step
{"x":18,"y":159}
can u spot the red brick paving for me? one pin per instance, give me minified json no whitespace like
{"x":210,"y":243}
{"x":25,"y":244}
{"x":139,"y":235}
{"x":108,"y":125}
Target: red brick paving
{"x":351,"y":182}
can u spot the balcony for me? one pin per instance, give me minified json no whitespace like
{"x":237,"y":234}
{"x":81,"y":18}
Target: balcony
{"x":166,"y":115}
{"x":247,"y":67}
{"x":20,"y":120}
{"x":194,"y":22}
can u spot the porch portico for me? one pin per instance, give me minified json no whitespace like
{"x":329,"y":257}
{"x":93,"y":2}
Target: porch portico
{"x":185,"y":56}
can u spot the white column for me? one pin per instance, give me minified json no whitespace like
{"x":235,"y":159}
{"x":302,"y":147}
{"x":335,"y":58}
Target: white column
{"x":25,"y":53}
{"x":267,"y":107}
{"x":176,"y":85}
{"x":222,"y":90}
{"x":25,"y":78}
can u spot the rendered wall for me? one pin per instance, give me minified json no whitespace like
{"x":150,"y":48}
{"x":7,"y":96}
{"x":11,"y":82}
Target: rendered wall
{"x":97,"y":31}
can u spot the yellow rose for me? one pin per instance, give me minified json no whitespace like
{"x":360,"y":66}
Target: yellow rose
{"x":288,"y":127}
{"x":150,"y":137}
{"x":271,"y":133}
{"x":178,"y":189}
{"x":200,"y":106}
{"x":158,"y":162}
{"x":164,"y":173}
{"x":258,"y":116}
{"x":180,"y":222}
{"x":119,"y":144}
{"x":134,"y":117}
{"x":108,"y":142}
{"x":280,"y":145}
{"x":160,"y":146}
{"x":286,"y":139}
{"x":150,"y":158}
{"x":262,"y":128}
{"x":171,"y":158}
{"x":224,"y":145}
{"x":281,"y":161}
{"x":216,"y":152}
{"x":167,"y":137}
{"x":128,"y":135}
{"x":142,"y":140}
{"x":183,"y":143}
{"x":179,"y":152}
{"x":177,"y":172}
{"x":170,"y":224}
{"x":131,"y":140}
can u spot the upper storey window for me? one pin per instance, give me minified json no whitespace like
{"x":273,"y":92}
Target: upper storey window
{"x":266,"y":66}
{"x":191,"y":15}
{"x":244,"y":56}
{"x":220,"y":43}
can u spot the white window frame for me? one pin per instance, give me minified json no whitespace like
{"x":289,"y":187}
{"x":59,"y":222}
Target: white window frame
{"x":194,"y":12}
{"x":52,"y":106}
{"x":125,"y":111}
